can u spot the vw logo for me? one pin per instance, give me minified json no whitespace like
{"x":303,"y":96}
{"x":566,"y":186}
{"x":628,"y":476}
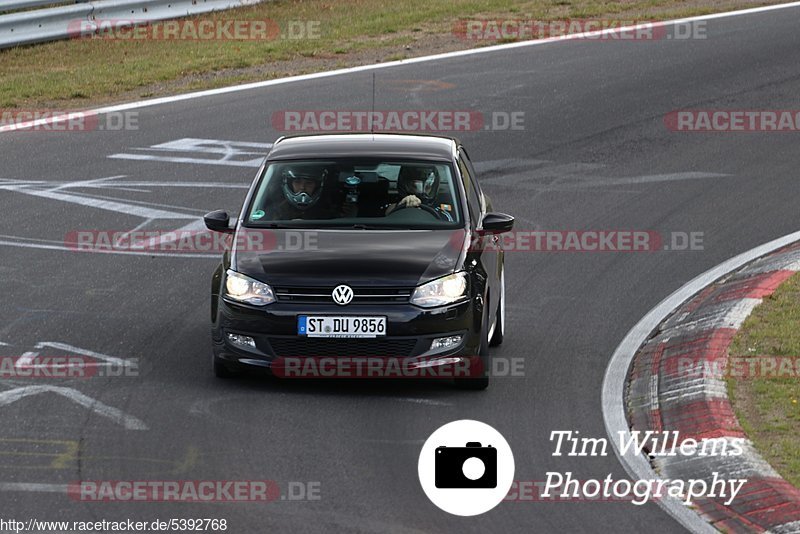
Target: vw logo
{"x":342,"y":294}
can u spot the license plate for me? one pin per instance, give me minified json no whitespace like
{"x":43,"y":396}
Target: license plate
{"x":341,"y":326}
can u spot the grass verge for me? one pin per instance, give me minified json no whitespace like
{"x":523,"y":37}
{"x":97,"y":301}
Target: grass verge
{"x":768,"y":407}
{"x":79,"y":73}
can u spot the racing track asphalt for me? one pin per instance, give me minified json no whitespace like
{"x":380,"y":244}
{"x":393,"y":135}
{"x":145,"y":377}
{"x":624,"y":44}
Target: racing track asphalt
{"x":593,"y":128}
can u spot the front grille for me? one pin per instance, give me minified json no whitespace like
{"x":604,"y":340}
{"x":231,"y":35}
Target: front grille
{"x":298,"y":347}
{"x":361,"y":295}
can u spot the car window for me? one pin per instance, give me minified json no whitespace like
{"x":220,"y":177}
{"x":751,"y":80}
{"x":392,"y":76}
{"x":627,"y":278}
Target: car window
{"x":472,"y":195}
{"x":473,"y":178}
{"x":352,"y":192}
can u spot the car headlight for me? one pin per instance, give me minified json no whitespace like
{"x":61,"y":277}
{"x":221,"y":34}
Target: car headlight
{"x":244,"y":289}
{"x":442,"y":291}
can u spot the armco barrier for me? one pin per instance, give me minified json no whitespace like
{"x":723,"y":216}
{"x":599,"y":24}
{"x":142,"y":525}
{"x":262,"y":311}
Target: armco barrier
{"x":40,"y":25}
{"x":15,"y":5}
{"x":60,"y":22}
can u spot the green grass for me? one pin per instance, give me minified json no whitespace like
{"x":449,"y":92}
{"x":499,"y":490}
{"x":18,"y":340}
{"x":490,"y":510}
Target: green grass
{"x":769,"y":408}
{"x":80,"y":72}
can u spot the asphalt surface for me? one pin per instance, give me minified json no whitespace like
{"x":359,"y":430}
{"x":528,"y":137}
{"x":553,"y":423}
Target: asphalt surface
{"x":593,"y":130}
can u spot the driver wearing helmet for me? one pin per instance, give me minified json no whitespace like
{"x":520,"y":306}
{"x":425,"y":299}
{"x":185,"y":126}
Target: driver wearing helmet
{"x":417,"y":186}
{"x":302,"y":191}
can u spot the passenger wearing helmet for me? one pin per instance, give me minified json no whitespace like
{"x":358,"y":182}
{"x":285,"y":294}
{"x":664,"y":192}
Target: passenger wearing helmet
{"x":416,"y":186}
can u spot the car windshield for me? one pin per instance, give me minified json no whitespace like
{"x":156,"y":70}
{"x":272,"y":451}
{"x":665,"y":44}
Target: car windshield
{"x":354,"y":193}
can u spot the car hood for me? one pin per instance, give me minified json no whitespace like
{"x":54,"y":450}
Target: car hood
{"x":312,"y":258}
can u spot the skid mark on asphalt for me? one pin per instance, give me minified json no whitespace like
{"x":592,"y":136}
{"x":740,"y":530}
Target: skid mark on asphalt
{"x":188,"y":463}
{"x":545,"y":175}
{"x":166,"y":467}
{"x":67,"y":458}
{"x":64,"y":456}
{"x":395,"y":441}
{"x":417,"y":400}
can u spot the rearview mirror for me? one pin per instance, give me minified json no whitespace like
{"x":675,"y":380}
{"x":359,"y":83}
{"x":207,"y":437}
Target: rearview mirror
{"x":218,"y":221}
{"x":497,"y":223}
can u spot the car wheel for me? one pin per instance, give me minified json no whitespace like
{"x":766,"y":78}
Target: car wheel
{"x":500,"y":320}
{"x":483,"y":354}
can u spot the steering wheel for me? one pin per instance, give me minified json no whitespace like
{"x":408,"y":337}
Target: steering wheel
{"x":423,"y":207}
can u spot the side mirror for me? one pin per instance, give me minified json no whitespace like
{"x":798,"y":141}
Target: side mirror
{"x":497,"y":223}
{"x":218,"y":221}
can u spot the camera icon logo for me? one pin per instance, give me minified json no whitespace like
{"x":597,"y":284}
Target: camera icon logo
{"x":472,"y":466}
{"x":466,"y":467}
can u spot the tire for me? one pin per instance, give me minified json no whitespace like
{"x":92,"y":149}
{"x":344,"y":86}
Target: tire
{"x":500,"y":320}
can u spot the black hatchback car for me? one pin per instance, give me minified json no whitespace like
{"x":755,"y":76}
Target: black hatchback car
{"x":361,"y":247}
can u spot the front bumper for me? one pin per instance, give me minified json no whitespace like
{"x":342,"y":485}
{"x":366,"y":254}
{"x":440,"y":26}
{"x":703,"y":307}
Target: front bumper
{"x":410,"y":331}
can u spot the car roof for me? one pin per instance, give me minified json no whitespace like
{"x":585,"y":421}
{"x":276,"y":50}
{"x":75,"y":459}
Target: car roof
{"x":394,"y":145}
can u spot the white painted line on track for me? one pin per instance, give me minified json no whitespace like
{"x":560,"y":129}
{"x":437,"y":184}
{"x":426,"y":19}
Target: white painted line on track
{"x":72,"y":249}
{"x":109,"y":205}
{"x":654,"y":178}
{"x":83,"y":352}
{"x":136,"y":228}
{"x":33,"y":487}
{"x":95,"y":182}
{"x":213,"y":185}
{"x":226,"y":147}
{"x":115,"y":414}
{"x":26,"y":359}
{"x":372,"y":67}
{"x":173,"y":159}
{"x":171,"y":236}
{"x":128,"y":186}
{"x":5,"y":183}
{"x":56,"y":191}
{"x":613,"y":392}
{"x":231,"y":152}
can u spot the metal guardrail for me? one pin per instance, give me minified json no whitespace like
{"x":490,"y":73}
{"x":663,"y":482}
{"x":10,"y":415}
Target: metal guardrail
{"x":15,"y":5}
{"x":41,"y":25}
{"x":68,"y":21}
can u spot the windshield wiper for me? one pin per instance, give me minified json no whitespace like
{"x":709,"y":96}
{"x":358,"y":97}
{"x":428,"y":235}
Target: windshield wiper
{"x":277,"y":226}
{"x":362,"y":226}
